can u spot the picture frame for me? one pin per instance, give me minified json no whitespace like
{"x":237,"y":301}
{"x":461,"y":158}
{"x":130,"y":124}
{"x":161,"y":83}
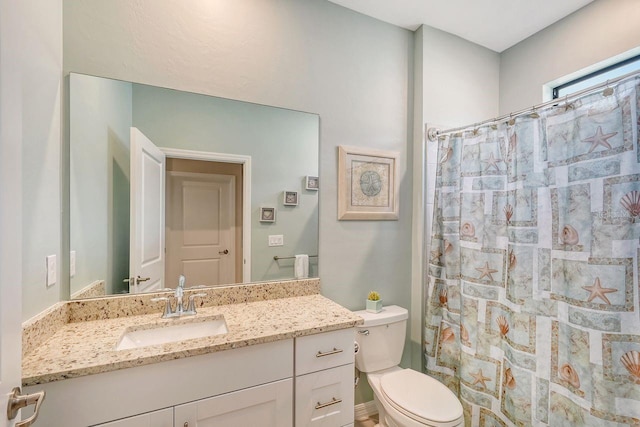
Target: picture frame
{"x":290,"y":198}
{"x":312,"y":183}
{"x":267,"y":214}
{"x":368,"y":184}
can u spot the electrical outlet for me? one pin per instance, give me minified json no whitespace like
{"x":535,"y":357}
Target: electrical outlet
{"x":72,"y":263}
{"x":52,"y":270}
{"x":276,"y":240}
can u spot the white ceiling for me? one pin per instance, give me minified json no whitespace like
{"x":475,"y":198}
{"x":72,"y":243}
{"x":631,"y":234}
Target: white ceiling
{"x":495,"y":24}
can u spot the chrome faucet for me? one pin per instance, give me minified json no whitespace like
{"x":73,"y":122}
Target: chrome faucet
{"x":179,"y":296}
{"x":179,"y":293}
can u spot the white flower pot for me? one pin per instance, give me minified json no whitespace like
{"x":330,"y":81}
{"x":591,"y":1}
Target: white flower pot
{"x":374,"y":306}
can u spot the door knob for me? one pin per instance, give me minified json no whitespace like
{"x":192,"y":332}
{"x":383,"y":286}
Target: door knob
{"x":18,"y":401}
{"x":142,"y":279}
{"x":225,"y":252}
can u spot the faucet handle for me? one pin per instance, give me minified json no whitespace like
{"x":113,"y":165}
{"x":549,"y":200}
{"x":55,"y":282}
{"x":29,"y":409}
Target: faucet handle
{"x":192,"y":302}
{"x":168,"y":312}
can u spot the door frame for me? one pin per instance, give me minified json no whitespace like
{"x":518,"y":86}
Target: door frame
{"x":245,"y":161}
{"x":12,"y":64}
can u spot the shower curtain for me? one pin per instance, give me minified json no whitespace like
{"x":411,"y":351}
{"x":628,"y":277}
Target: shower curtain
{"x":532,"y":314}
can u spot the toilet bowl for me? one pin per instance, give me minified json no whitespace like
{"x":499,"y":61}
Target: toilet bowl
{"x":403,"y":397}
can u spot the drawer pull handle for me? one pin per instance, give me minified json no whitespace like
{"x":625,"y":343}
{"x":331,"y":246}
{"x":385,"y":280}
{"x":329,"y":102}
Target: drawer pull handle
{"x":332,"y":402}
{"x":328,"y":353}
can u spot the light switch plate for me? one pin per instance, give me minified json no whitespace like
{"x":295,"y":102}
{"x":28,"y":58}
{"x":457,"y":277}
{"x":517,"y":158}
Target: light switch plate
{"x":52,"y":270}
{"x":276,"y":240}
{"x":72,"y":263}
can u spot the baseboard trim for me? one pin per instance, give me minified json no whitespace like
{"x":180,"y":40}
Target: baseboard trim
{"x":365,"y":410}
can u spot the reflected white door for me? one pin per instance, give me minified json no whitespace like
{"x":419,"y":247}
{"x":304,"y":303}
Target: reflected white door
{"x":200,"y":228}
{"x":147,"y":214}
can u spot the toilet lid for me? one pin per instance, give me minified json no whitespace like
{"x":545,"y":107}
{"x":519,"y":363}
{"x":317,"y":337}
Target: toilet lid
{"x":421,"y":397}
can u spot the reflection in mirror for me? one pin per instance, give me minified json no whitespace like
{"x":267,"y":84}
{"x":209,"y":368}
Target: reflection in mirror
{"x":224,"y":160}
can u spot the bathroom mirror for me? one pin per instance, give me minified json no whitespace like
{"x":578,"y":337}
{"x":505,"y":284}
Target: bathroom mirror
{"x":225,"y":162}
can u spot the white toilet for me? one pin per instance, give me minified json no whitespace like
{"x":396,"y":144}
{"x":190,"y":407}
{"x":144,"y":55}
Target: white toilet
{"x":404,"y":397}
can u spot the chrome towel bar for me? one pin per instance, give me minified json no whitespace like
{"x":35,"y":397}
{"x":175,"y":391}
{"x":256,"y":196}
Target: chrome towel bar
{"x":276,"y":257}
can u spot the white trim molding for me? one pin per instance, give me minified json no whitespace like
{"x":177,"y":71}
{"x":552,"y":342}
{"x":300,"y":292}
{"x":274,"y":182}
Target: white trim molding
{"x":365,"y":410}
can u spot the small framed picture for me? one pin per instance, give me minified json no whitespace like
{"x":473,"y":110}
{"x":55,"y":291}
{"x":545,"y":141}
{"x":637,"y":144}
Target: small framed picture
{"x":312,"y":183}
{"x":267,"y":214}
{"x":290,"y":198}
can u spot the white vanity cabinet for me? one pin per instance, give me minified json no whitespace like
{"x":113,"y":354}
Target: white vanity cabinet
{"x":303,"y":382}
{"x":161,"y":418}
{"x":116,"y":396}
{"x":269,"y":405}
{"x":325,"y":379}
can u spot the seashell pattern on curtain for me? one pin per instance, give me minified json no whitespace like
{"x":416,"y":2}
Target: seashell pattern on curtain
{"x":532,"y":313}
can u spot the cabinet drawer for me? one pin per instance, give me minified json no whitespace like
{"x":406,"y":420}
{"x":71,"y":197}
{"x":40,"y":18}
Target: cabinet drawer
{"x":322,"y":351}
{"x":325,"y":398}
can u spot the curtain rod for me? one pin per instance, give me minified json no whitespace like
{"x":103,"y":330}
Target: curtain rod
{"x":432,"y":134}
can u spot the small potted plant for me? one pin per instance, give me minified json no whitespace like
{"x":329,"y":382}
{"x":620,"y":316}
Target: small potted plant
{"x":374,"y":303}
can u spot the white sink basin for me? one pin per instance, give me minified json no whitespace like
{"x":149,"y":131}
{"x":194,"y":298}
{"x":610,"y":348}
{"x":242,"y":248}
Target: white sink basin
{"x":146,"y":335}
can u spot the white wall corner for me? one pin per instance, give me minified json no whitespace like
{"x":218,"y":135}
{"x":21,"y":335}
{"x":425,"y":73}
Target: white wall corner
{"x":418,"y":207}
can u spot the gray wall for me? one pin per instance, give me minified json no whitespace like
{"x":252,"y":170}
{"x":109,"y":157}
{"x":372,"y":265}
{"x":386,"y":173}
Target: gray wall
{"x":13,"y":20}
{"x":41,"y":142}
{"x":283,"y":145}
{"x":595,"y":33}
{"x":308,"y":55}
{"x":101,"y":113}
{"x":460,"y":79}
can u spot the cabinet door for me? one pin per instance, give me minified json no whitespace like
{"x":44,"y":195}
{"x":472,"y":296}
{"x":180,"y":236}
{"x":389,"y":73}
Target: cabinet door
{"x":266,"y":405}
{"x":325,"y":398}
{"x":161,"y":418}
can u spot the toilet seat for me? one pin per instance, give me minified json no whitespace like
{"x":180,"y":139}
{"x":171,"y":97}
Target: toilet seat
{"x":421,"y":398}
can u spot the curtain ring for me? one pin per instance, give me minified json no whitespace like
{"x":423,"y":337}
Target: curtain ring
{"x":534,"y":114}
{"x":608,"y":91}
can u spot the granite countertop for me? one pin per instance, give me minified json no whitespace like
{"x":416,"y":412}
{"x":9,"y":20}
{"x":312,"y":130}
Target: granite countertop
{"x":89,"y":347}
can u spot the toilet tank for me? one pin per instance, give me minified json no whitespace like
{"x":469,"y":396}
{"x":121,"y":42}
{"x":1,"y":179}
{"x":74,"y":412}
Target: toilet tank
{"x":381,"y":338}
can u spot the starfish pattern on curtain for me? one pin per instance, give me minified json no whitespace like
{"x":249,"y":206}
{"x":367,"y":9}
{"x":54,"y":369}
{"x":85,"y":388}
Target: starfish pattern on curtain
{"x":532,"y":315}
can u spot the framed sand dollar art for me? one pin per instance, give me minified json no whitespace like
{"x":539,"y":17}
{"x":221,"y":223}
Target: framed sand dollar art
{"x":367,"y":184}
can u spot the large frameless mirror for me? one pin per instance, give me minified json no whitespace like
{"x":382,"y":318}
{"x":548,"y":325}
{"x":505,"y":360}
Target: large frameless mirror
{"x":166,"y":183}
